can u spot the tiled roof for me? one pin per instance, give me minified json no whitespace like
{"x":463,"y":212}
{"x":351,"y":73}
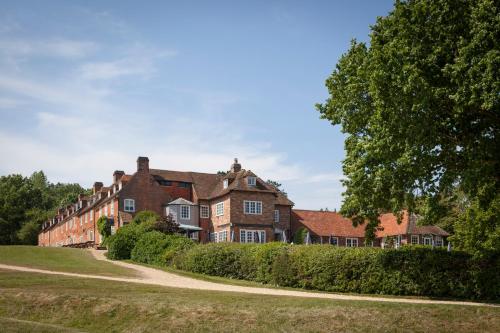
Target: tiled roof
{"x":389,"y":226}
{"x":181,"y":201}
{"x":327,"y":223}
{"x":428,"y":230}
{"x":203,"y":183}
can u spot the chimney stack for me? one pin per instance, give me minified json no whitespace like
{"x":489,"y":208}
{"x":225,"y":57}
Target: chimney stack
{"x":97,"y":187}
{"x":117,"y":175}
{"x":142,"y":164}
{"x":235,"y":167}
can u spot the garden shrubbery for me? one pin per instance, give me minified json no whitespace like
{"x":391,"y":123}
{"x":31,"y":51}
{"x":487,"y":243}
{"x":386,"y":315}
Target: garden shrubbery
{"x":406,"y":271}
{"x":410,"y":270}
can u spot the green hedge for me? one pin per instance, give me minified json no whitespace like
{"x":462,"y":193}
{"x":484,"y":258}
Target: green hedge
{"x":157,"y":248}
{"x":407,"y":271}
{"x":120,"y":244}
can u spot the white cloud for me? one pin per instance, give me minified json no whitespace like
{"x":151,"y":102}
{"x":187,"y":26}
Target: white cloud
{"x":57,"y":47}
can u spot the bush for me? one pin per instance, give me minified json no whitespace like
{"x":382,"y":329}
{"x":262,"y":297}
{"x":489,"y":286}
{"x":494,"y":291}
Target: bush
{"x":120,"y":244}
{"x":104,"y":228}
{"x":300,"y":236}
{"x":156,"y":248}
{"x":145,"y":216}
{"x":414,"y":270}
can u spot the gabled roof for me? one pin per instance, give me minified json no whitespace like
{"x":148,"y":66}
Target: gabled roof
{"x":327,"y":223}
{"x":181,"y":201}
{"x":389,"y":225}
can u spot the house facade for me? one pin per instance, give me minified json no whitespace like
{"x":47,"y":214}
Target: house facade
{"x":236,"y":206}
{"x":325,"y":227}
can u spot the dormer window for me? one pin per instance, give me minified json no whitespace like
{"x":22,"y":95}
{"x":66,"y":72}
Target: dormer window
{"x":226,"y":183}
{"x":252,"y":181}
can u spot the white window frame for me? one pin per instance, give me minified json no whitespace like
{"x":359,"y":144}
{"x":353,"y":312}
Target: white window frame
{"x":414,"y":239}
{"x":250,"y":236}
{"x":276,"y":216}
{"x":219,"y":209}
{"x":352,"y":241}
{"x":439,"y":241}
{"x":254,"y":207}
{"x":181,"y":212}
{"x":204,"y":212}
{"x":213,"y":237}
{"x":194,"y":235}
{"x":225,"y":183}
{"x":336,"y":241}
{"x":129,"y":205}
{"x":427,"y":238}
{"x":222,"y":236}
{"x":251,"y":181}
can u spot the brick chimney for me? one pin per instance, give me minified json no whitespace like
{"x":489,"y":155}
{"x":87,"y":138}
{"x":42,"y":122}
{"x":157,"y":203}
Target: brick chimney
{"x":117,"y":175}
{"x":235,"y":167}
{"x":97,"y":187}
{"x":142,"y":164}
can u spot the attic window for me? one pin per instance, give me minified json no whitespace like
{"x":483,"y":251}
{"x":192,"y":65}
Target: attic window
{"x":226,"y":183}
{"x":252,"y":181}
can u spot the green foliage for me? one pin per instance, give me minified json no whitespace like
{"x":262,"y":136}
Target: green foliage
{"x":414,"y":270}
{"x":104,"y":228}
{"x":120,"y":244}
{"x":157,"y":248}
{"x":30,"y":200}
{"x":419,"y":105}
{"x":145,"y":216}
{"x":277,"y":186}
{"x":300,"y":236}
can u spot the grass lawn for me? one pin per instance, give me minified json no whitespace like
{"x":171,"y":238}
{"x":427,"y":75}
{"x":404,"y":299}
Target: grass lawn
{"x":60,"y":259}
{"x":72,"y":304}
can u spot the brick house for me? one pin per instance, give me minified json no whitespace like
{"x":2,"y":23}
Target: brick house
{"x":327,"y":227}
{"x":238,"y":206}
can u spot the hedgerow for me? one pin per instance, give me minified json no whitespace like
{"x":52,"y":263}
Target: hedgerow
{"x":407,"y":271}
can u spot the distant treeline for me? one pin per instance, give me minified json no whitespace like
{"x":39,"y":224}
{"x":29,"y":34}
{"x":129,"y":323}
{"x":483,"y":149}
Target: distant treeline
{"x":27,"y":202}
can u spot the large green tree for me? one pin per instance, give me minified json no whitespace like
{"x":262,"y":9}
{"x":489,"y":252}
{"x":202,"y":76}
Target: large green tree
{"x":26,"y":202}
{"x":420,"y":108}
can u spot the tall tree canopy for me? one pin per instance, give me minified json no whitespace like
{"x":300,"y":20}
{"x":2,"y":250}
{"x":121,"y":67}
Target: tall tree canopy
{"x":420,"y":107}
{"x":26,"y":202}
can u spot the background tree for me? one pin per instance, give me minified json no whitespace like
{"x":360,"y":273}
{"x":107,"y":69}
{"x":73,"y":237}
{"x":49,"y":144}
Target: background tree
{"x":167,"y":225}
{"x":277,"y":185}
{"x":420,"y":107}
{"x":27,"y":202}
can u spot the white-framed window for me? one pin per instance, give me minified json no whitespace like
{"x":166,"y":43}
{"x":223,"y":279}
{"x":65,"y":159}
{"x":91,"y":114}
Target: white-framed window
{"x":185,"y":212}
{"x":398,"y":240}
{"x":414,"y":239}
{"x":351,"y":242}
{"x":194,"y":235}
{"x":252,"y":207}
{"x":213,"y":237}
{"x":276,"y":216}
{"x":252,"y":236}
{"x":334,"y":241}
{"x":439,"y":241}
{"x":204,"y":212}
{"x":427,"y":240}
{"x":226,"y":183}
{"x":219,"y":209}
{"x":112,"y":208}
{"x":129,"y":205}
{"x":251,"y":181}
{"x":222,"y":236}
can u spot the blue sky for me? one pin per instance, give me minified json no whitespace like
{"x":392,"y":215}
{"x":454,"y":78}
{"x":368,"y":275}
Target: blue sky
{"x":87,"y":86}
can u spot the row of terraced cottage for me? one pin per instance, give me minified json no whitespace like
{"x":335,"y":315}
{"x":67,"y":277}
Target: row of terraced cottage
{"x":234,"y":207}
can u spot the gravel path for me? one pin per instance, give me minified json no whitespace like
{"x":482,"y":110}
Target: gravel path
{"x":162,"y":278}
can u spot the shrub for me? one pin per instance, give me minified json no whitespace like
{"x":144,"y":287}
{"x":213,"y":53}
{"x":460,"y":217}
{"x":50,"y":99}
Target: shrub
{"x":145,"y":216}
{"x":104,"y":228}
{"x":414,"y":270}
{"x":300,"y":236}
{"x":149,"y":248}
{"x":120,"y":244}
{"x":156,"y":248}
